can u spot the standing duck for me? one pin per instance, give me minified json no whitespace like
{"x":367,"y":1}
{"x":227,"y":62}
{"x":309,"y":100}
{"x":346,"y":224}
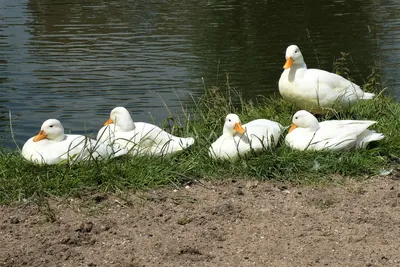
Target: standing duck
{"x":316,"y":90}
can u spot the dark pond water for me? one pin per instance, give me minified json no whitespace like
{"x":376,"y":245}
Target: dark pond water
{"x":77,"y":59}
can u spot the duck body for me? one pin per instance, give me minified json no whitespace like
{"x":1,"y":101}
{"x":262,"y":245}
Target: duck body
{"x":263,"y":133}
{"x":46,"y":148}
{"x":140,"y":138}
{"x":307,"y":133}
{"x":316,"y":90}
{"x":238,"y":140}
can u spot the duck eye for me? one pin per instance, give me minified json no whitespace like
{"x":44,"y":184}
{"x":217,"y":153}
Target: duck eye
{"x":51,"y":126}
{"x":229,"y":120}
{"x":296,"y":118}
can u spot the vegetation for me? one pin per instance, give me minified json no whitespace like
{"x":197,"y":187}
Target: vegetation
{"x":21,"y":180}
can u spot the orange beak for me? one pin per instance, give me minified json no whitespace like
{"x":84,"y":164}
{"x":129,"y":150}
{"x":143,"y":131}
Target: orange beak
{"x":109,"y":121}
{"x":289,"y":63}
{"x":292,"y":127}
{"x":41,"y":135}
{"x":239,"y":128}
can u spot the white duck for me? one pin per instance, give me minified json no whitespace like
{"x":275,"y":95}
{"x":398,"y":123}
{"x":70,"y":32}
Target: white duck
{"x":316,"y":90}
{"x":140,"y":137}
{"x":306,"y":133}
{"x":52,"y":146}
{"x":238,"y":139}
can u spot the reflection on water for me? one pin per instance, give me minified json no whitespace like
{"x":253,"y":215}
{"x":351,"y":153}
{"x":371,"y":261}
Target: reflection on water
{"x":75,"y":60}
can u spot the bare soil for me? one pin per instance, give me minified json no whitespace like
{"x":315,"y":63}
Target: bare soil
{"x":225,"y":223}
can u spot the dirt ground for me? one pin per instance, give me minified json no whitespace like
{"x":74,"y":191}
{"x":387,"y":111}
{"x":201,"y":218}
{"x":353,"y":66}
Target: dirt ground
{"x":229,"y":223}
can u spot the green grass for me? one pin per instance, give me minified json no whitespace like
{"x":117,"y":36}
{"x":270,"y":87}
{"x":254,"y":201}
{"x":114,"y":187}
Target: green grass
{"x":21,"y":180}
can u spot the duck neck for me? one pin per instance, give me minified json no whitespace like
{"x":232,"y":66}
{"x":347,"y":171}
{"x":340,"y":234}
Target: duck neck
{"x":124,"y":123}
{"x":314,"y":124}
{"x":298,"y":66}
{"x":297,"y":70}
{"x":59,"y":138}
{"x":128,"y":125}
{"x":228,"y":132}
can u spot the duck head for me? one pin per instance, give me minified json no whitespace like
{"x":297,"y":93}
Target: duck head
{"x":233,"y":125}
{"x":52,"y":129}
{"x":121,"y":118}
{"x":304,"y":119}
{"x":293,"y":56}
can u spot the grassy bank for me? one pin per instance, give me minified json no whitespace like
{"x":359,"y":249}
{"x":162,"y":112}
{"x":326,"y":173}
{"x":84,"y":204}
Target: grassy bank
{"x":204,"y":119}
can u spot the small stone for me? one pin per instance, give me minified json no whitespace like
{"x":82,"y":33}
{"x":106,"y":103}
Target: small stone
{"x":283,"y":188}
{"x":99,"y":198}
{"x":65,"y":240}
{"x":14,"y":220}
{"x":104,"y":228}
{"x":239,"y":192}
{"x":85,"y":227}
{"x":251,"y":184}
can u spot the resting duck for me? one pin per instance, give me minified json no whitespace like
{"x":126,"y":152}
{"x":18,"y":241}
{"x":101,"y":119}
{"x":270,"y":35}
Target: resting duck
{"x":316,"y":90}
{"x":140,"y":138}
{"x":237,"y":139}
{"x":52,"y":146}
{"x":306,"y":133}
